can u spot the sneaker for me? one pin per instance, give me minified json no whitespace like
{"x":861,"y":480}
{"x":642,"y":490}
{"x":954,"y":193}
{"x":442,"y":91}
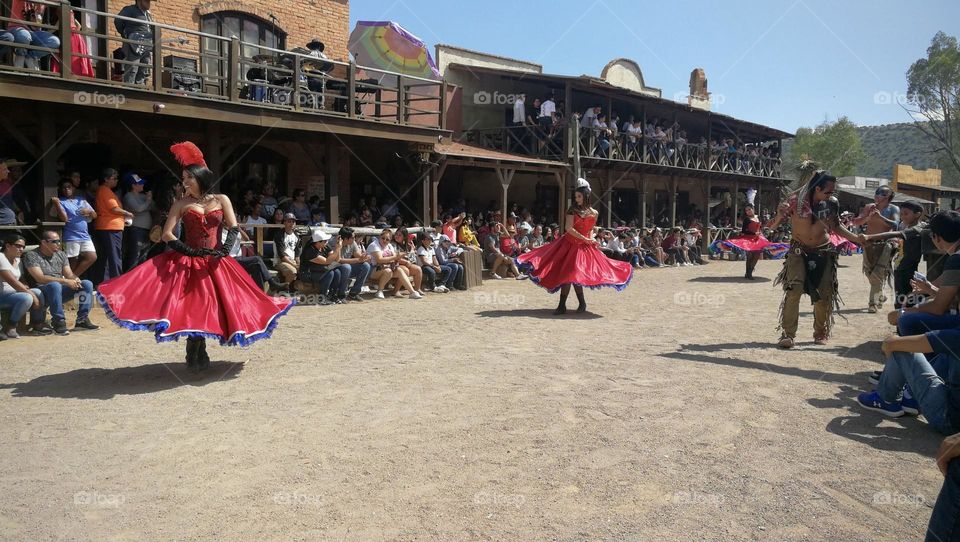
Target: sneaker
{"x":85,"y":324}
{"x":872,"y":401}
{"x":416,"y":295}
{"x":874,"y":377}
{"x":441,"y":289}
{"x":60,"y":327}
{"x":12,"y":333}
{"x":521,"y":276}
{"x":909,"y":404}
{"x":676,"y":264}
{"x":365,"y":290}
{"x":379,"y":295}
{"x":354,"y":297}
{"x":872,"y":309}
{"x":495,"y":276}
{"x":41,"y":329}
{"x":785,"y":342}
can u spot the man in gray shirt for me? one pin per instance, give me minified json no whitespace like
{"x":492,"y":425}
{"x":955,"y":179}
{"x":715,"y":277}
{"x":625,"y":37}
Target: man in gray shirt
{"x":49,"y":270}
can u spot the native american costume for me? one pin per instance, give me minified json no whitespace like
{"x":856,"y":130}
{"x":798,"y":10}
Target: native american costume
{"x":878,"y":262}
{"x":811,"y":271}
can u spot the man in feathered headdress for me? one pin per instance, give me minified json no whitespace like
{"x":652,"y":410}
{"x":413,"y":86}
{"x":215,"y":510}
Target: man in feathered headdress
{"x":811,"y":265}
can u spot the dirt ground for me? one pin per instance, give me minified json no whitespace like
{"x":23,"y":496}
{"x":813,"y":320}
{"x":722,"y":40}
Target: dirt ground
{"x":665,"y":413}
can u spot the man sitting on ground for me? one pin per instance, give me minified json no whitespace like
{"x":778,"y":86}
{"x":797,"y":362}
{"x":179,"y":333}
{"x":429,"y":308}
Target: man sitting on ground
{"x":49,"y":270}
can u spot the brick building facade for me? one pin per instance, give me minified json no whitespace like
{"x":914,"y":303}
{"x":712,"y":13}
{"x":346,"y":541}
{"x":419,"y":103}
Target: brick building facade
{"x":300,"y":20}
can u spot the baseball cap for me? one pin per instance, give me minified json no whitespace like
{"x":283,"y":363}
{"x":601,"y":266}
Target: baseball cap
{"x":319,"y":235}
{"x":290,"y":216}
{"x":133,"y":178}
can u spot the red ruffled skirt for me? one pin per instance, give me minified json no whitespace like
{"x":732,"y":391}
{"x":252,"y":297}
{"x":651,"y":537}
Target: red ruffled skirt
{"x":571,"y":261}
{"x":748,"y":243}
{"x":175,"y":296}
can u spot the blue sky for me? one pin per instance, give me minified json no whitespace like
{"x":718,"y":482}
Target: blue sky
{"x":785,"y":64}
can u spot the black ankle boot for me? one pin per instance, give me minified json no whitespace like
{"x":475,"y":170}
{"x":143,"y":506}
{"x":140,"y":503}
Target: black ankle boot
{"x":582,"y":307}
{"x":203,"y":360}
{"x":193,"y":350}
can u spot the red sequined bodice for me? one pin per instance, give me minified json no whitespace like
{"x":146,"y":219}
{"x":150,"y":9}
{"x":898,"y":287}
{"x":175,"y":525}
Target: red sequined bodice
{"x":202,"y":230}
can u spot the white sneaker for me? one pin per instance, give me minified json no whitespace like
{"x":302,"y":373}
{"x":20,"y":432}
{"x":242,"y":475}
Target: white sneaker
{"x":521,"y":276}
{"x":440,"y":289}
{"x":379,"y":295}
{"x":365,"y":290}
{"x":495,"y":276}
{"x":416,"y":295}
{"x":32,"y":63}
{"x":676,"y":264}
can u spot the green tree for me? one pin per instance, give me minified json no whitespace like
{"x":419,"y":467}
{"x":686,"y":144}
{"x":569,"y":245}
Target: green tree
{"x":832,"y":145}
{"x":933,"y":95}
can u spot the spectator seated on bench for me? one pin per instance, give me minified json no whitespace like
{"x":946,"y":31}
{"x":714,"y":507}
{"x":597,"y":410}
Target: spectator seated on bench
{"x":16,"y":299}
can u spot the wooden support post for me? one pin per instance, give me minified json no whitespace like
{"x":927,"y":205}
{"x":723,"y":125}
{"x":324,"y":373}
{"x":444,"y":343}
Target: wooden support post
{"x":704,"y":227}
{"x":352,"y":90}
{"x":66,"y":40}
{"x":48,"y":162}
{"x":505,"y":175}
{"x":234,"y":70}
{"x":401,"y":99}
{"x":157,"y":59}
{"x":332,"y":182}
{"x":609,"y":197}
{"x":736,"y":201}
{"x":673,"y":201}
{"x":426,"y":210}
{"x":643,"y":202}
{"x":562,"y":204}
{"x":443,"y":105}
{"x":435,"y":191}
{"x":295,"y":95}
{"x":571,"y":138}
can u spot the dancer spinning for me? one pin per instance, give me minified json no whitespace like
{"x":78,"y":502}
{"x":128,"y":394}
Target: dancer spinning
{"x":574,"y":259}
{"x":811,"y":265}
{"x":194,"y":291}
{"x":750,"y":239}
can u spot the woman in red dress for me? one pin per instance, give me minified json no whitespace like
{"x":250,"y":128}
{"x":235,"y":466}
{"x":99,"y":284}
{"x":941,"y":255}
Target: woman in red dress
{"x":194,"y":291}
{"x":750,"y":240}
{"x":574,"y":259}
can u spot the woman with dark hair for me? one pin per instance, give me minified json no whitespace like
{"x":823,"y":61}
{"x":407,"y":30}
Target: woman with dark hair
{"x":199,"y":294}
{"x":16,"y":296}
{"x":574,"y":259}
{"x":299,"y":206}
{"x":750,"y":240}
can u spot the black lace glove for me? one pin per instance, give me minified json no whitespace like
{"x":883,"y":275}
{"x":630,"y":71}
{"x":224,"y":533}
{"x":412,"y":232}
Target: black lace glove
{"x":180,"y":247}
{"x":228,"y":243}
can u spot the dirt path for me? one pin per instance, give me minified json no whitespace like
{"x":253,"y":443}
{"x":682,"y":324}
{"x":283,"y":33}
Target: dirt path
{"x":664,"y":414}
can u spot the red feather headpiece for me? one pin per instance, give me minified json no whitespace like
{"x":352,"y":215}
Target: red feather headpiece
{"x":188,"y":154}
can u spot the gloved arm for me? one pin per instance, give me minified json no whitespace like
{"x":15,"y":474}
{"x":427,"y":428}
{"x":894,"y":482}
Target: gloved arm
{"x":228,"y":243}
{"x":180,"y":247}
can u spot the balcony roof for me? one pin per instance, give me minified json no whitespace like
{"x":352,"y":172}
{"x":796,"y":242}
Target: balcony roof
{"x":587,"y":82}
{"x":492,"y":157}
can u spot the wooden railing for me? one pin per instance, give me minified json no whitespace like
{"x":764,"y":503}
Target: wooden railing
{"x":206,"y":66}
{"x":593,"y":145}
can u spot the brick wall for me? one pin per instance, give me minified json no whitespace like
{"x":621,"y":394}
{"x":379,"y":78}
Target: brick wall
{"x":302,"y":20}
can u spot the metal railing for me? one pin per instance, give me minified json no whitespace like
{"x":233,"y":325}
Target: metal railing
{"x":188,"y":62}
{"x":600,"y":144}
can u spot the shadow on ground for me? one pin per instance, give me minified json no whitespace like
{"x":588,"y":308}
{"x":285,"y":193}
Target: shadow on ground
{"x":867,"y":351}
{"x":107,"y":383}
{"x":810,"y":374}
{"x":904,"y":434}
{"x":731,"y":279}
{"x":546,"y":314}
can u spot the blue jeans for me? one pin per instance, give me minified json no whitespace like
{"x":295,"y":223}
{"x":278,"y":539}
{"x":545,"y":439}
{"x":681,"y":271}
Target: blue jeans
{"x":358,"y":271}
{"x":56,"y":294}
{"x":945,"y":519}
{"x":37,"y":38}
{"x":109,"y":245}
{"x":19,"y":303}
{"x":451,"y":274}
{"x":5,"y":37}
{"x":918,"y":323}
{"x":939,"y":398}
{"x":322,"y":282}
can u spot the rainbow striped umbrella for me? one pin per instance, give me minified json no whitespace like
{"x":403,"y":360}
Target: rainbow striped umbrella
{"x":387,"y":46}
